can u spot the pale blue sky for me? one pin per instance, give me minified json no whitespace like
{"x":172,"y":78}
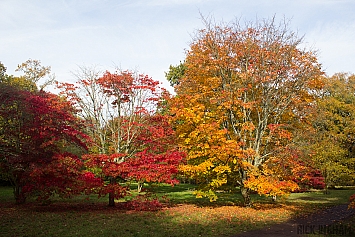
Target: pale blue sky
{"x":149,"y":35}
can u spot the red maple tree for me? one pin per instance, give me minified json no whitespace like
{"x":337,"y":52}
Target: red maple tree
{"x":38,"y":129}
{"x":131,"y":142}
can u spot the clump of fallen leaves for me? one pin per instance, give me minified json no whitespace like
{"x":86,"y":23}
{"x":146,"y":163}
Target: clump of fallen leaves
{"x":147,"y":202}
{"x":261,"y":213}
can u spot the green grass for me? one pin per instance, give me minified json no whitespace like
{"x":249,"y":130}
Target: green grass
{"x":333,"y":197}
{"x":187,"y":216}
{"x":184,"y":193}
{"x":6,"y":194}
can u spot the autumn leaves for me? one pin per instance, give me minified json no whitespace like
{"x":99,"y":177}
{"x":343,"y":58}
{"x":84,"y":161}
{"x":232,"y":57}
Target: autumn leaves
{"x":131,"y":139}
{"x":244,"y":99}
{"x":233,"y":113}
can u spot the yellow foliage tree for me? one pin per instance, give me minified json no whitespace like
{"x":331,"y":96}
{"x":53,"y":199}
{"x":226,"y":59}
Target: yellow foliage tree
{"x":243,"y":90}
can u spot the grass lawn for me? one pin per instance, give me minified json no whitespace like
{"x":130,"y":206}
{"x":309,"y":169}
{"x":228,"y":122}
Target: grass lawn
{"x":186,"y":216}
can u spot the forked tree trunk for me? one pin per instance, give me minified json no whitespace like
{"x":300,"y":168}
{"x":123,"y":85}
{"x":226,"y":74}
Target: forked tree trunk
{"x":246,"y":196}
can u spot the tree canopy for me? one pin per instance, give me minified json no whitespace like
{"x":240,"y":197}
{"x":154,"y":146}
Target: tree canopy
{"x":131,"y":140}
{"x":35,"y":128}
{"x":243,"y":90}
{"x":332,"y":143}
{"x":252,"y":111}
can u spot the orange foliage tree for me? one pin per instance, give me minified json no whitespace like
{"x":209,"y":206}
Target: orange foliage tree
{"x":243,"y":91}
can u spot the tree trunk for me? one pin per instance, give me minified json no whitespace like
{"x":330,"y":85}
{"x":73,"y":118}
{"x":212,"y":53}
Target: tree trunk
{"x":326,"y":180}
{"x":111,"y":195}
{"x":140,"y":186}
{"x":246,"y":196}
{"x":19,"y":196}
{"x":274,"y":198}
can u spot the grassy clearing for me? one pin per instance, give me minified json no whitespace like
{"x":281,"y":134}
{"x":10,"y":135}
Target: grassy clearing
{"x":186,"y":220}
{"x":333,"y":197}
{"x":187,"y":216}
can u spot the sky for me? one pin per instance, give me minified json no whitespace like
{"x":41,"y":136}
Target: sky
{"x":149,"y":35}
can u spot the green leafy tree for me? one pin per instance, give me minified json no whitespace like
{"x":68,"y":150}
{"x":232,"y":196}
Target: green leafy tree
{"x":333,"y":141}
{"x":2,"y":71}
{"x":175,"y":73}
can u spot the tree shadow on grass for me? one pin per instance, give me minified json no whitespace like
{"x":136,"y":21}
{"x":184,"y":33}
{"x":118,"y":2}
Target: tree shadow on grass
{"x":63,"y":219}
{"x":88,"y":219}
{"x":189,"y":217}
{"x":184,"y":194}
